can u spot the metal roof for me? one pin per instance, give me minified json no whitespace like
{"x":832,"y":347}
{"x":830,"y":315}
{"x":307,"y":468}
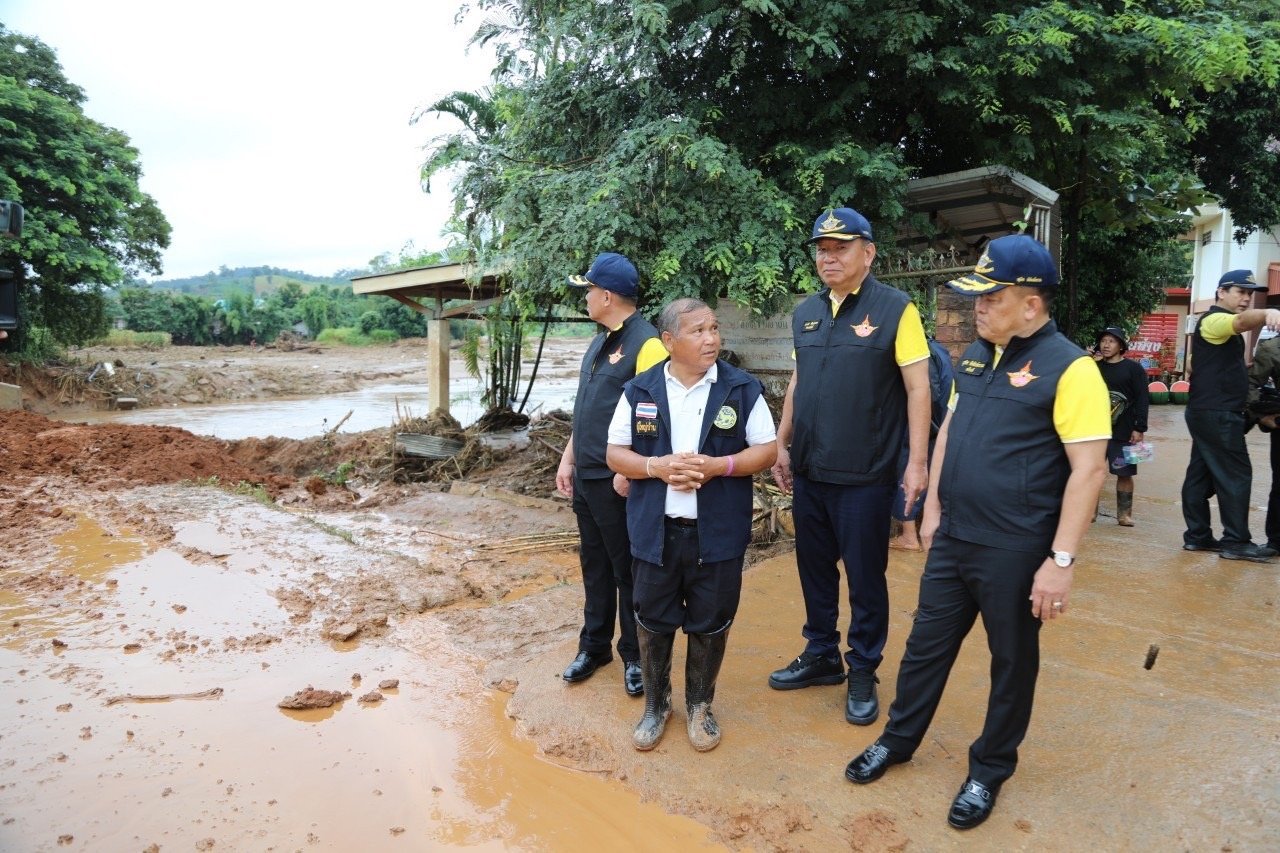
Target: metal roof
{"x":440,"y":281}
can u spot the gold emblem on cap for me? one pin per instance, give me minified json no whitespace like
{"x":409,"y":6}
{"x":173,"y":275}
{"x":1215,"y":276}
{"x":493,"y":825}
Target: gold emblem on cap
{"x":984,"y":265}
{"x":831,"y":223}
{"x":1249,"y":278}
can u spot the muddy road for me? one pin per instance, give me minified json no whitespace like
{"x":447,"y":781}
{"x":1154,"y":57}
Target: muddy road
{"x":153,"y":622}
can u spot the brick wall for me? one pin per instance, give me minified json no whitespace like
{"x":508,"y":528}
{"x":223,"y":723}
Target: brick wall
{"x":955,"y":329}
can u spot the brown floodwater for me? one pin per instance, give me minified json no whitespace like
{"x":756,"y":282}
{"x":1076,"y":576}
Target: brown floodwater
{"x":152,"y":721}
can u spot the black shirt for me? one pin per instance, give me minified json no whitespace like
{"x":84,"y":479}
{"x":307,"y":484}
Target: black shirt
{"x":1127,"y":382}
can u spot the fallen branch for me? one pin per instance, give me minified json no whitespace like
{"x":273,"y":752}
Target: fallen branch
{"x":166,"y":697}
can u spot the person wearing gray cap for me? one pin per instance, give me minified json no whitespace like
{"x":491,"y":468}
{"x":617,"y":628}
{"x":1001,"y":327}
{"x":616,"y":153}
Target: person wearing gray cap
{"x":1215,"y":418}
{"x":1130,"y":401}
{"x":1015,"y":476}
{"x":626,"y":345}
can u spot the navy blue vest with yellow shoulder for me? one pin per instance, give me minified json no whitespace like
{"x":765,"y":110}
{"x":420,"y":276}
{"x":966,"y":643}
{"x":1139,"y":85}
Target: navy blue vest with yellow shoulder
{"x":609,"y":363}
{"x":1005,"y":469}
{"x":849,"y":406}
{"x":1219,"y":378}
{"x":724,"y":503}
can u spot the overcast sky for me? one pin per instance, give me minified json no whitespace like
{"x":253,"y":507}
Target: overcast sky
{"x":272,"y":132}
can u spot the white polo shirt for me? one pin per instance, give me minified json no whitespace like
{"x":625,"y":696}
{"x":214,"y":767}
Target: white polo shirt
{"x":687,"y":407}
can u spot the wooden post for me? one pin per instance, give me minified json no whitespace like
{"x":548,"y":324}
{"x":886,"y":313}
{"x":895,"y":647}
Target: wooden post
{"x":438,"y":360}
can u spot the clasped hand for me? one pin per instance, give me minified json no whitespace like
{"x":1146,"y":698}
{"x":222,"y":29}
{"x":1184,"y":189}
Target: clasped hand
{"x":684,"y":471}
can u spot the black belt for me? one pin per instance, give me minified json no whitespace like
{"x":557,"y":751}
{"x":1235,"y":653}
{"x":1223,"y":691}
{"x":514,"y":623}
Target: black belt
{"x":682,"y":522}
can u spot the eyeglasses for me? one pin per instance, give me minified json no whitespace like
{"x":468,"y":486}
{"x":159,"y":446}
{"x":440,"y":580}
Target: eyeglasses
{"x":816,"y":251}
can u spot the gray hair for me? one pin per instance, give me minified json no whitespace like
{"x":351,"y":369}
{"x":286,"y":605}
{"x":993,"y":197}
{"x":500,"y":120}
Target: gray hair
{"x":669,"y":319}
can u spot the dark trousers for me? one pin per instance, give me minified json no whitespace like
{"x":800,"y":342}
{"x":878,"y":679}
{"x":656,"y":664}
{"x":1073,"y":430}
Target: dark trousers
{"x":960,"y":581}
{"x":1273,"y":503}
{"x":604,"y":552}
{"x":1219,"y":465}
{"x":684,"y":592}
{"x":849,"y":523}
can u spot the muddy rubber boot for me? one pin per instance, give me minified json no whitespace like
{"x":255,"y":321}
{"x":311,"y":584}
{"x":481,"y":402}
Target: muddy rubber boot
{"x":655,"y":668}
{"x":1124,"y":508}
{"x":701,"y":669}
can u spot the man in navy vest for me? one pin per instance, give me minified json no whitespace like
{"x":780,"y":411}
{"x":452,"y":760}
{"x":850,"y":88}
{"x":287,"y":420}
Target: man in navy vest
{"x":626,"y":345}
{"x":861,"y":378}
{"x":688,"y":434}
{"x":1015,"y":476}
{"x":1216,"y":420}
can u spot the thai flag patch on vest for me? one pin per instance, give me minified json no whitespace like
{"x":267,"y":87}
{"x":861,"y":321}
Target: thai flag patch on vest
{"x":646,"y":410}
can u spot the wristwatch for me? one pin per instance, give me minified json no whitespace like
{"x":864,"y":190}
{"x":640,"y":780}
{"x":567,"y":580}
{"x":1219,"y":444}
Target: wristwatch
{"x":1063,"y":559}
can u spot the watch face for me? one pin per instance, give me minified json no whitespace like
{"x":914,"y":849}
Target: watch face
{"x":1062,"y":559}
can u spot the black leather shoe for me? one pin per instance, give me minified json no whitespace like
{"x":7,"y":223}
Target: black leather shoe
{"x":972,"y":805}
{"x":862,"y":706}
{"x":1248,"y":551}
{"x":871,"y":764}
{"x":808,"y":671}
{"x":1212,"y":545}
{"x":632,"y":678}
{"x":585,"y":665}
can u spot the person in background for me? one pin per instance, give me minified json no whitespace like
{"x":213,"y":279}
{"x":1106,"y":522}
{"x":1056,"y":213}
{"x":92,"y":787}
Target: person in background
{"x":861,"y":378}
{"x":1015,"y":477}
{"x":1266,"y":371}
{"x":689,"y":435}
{"x":627,"y":344}
{"x":940,"y":371}
{"x":1215,"y":415}
{"x":1130,"y":399}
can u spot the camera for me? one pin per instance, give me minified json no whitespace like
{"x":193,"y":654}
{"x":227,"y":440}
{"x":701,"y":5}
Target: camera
{"x":10,"y":226}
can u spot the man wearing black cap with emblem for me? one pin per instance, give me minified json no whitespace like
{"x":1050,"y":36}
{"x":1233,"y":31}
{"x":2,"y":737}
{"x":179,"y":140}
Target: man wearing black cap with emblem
{"x":861,"y":378}
{"x":627,"y":345}
{"x":1216,"y":420}
{"x":1130,"y":400}
{"x":1015,"y":476}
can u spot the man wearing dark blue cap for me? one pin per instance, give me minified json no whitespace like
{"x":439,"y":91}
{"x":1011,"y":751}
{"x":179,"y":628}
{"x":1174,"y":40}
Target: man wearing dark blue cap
{"x":1216,"y":420}
{"x":627,"y":344}
{"x":861,"y":379}
{"x":1015,"y":476}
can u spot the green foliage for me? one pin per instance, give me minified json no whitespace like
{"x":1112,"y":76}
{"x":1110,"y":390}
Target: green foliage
{"x":701,"y":139}
{"x":88,"y":225}
{"x":369,"y":321}
{"x":383,"y":336}
{"x":128,"y":339}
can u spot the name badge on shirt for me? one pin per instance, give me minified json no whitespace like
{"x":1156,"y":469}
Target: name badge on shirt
{"x":811,"y":325}
{"x":972,"y":367}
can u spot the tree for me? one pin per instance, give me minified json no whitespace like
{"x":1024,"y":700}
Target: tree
{"x":88,"y":225}
{"x":702,"y":138}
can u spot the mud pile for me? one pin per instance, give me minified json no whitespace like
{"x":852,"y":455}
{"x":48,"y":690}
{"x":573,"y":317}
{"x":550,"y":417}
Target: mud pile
{"x":32,"y":447}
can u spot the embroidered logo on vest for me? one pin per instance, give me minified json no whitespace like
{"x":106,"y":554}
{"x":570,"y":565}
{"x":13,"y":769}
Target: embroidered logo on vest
{"x":615,"y":357}
{"x":726,"y":418}
{"x":646,"y":410}
{"x":864,"y":329}
{"x":1021,"y":378}
{"x":810,"y":325}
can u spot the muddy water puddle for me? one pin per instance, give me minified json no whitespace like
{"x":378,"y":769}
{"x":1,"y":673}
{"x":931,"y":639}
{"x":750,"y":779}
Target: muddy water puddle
{"x":153,"y":719}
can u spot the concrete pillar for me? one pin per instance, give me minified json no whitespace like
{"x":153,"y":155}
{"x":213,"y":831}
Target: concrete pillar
{"x":437,"y":365}
{"x":10,"y":396}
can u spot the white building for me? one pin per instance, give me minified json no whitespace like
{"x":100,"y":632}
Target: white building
{"x":1216,"y":251}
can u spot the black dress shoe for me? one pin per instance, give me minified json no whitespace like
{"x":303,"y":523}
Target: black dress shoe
{"x":871,"y":764}
{"x":632,"y":678}
{"x":585,"y":665}
{"x":862,"y":706}
{"x":1211,"y":545}
{"x":808,"y":671}
{"x":972,"y":805}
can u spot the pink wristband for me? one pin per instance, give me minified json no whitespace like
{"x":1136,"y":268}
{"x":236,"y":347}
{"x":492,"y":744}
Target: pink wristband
{"x":729,"y":472}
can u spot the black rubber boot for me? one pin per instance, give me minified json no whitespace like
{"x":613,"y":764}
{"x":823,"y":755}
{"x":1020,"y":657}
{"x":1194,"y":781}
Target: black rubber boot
{"x":1124,"y":508}
{"x":655,"y":667}
{"x":701,"y":669}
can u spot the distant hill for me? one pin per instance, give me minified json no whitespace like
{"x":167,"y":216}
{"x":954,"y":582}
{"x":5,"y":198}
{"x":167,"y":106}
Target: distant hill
{"x":259,"y":281}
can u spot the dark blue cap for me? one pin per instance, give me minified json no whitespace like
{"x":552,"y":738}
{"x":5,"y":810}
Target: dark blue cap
{"x":1242,"y":279}
{"x":842,"y":223}
{"x":1009,"y":261}
{"x":612,"y":272}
